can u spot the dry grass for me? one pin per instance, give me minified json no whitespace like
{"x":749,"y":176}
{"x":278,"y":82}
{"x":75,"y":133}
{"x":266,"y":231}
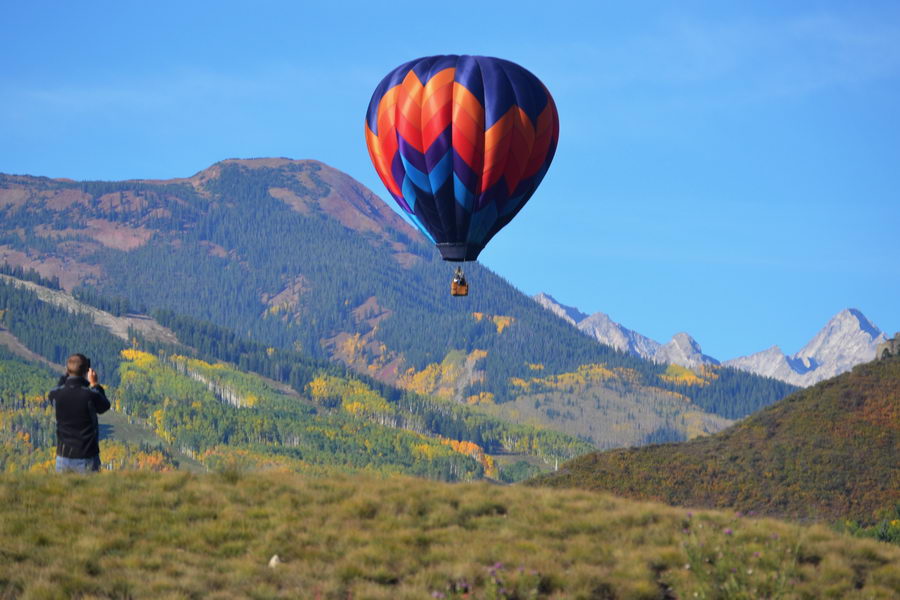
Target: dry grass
{"x":180,"y":535}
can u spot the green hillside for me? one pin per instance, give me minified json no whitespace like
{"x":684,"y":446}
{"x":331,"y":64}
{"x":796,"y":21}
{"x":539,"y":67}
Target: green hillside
{"x":827,"y":452}
{"x":28,"y":428}
{"x":300,"y":257}
{"x":178,"y":400}
{"x":177,"y":535}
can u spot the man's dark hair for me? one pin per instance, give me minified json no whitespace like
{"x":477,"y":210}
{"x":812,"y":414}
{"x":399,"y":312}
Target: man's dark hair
{"x":77,"y":365}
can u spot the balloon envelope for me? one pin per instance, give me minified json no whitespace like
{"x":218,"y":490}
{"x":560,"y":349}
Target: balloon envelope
{"x":461,"y":143}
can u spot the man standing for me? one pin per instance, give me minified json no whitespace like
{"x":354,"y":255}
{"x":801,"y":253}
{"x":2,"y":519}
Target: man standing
{"x":78,"y":402}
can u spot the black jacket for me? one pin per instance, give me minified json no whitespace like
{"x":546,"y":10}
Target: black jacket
{"x":77,"y":407}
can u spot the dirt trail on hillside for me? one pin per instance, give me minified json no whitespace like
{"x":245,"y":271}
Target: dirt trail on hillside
{"x":11,"y":342}
{"x":118,"y":326}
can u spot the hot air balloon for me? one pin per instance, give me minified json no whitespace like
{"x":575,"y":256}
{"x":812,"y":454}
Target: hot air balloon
{"x":461,"y":143}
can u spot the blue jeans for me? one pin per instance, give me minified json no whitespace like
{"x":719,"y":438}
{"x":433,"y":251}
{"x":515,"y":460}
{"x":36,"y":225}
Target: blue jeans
{"x":77,"y":465}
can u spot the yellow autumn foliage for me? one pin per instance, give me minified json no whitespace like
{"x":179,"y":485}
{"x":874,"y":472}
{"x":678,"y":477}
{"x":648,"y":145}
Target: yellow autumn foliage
{"x":682,"y":376}
{"x":356,"y":397}
{"x":584,"y":375}
{"x":429,"y":380}
{"x":426,"y":451}
{"x":500,"y":322}
{"x":354,"y":408}
{"x":710,"y":372}
{"x":482,"y":398}
{"x":475,"y":451}
{"x":318,"y":387}
{"x":352,"y":345}
{"x":141,"y":359}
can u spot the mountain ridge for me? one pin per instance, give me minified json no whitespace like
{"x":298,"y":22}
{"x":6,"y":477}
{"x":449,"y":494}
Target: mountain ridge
{"x":847,"y":339}
{"x":298,"y":256}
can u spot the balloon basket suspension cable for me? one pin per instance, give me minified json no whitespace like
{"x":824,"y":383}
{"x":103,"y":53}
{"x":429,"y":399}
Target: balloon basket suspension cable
{"x":459,"y":286}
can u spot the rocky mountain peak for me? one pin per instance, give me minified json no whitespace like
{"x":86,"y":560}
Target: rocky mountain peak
{"x":684,"y":341}
{"x":684,"y":350}
{"x":570,"y":314}
{"x":848,"y":339}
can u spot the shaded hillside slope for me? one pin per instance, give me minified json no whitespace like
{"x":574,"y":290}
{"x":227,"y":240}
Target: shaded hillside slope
{"x":830,"y":451}
{"x":176,"y":535}
{"x":299,"y":256}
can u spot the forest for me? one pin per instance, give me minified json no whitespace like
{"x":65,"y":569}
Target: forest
{"x":215,"y":412}
{"x":28,"y":426}
{"x":294,"y":278}
{"x":55,"y":333}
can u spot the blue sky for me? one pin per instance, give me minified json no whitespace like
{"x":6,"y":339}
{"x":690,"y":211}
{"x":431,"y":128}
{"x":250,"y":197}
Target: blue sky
{"x":731,"y":170}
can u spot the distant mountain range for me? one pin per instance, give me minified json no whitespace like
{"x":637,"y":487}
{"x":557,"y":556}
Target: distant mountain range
{"x":848,"y":339}
{"x":826,"y":452}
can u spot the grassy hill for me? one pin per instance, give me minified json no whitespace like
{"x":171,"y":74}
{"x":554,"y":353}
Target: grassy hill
{"x":830,"y":451}
{"x":178,"y":535}
{"x":300,"y":257}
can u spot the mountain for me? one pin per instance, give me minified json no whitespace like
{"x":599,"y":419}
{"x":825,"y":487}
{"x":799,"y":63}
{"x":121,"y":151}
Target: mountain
{"x":299,"y":257}
{"x":682,"y":349}
{"x":826,"y":452}
{"x":569,"y":314}
{"x":848,"y":339}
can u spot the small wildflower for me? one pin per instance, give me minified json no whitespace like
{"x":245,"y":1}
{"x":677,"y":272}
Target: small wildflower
{"x":687,"y":567}
{"x":437,"y":594}
{"x":728,"y":531}
{"x":757,"y":554}
{"x":749,"y":571}
{"x":738,"y":514}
